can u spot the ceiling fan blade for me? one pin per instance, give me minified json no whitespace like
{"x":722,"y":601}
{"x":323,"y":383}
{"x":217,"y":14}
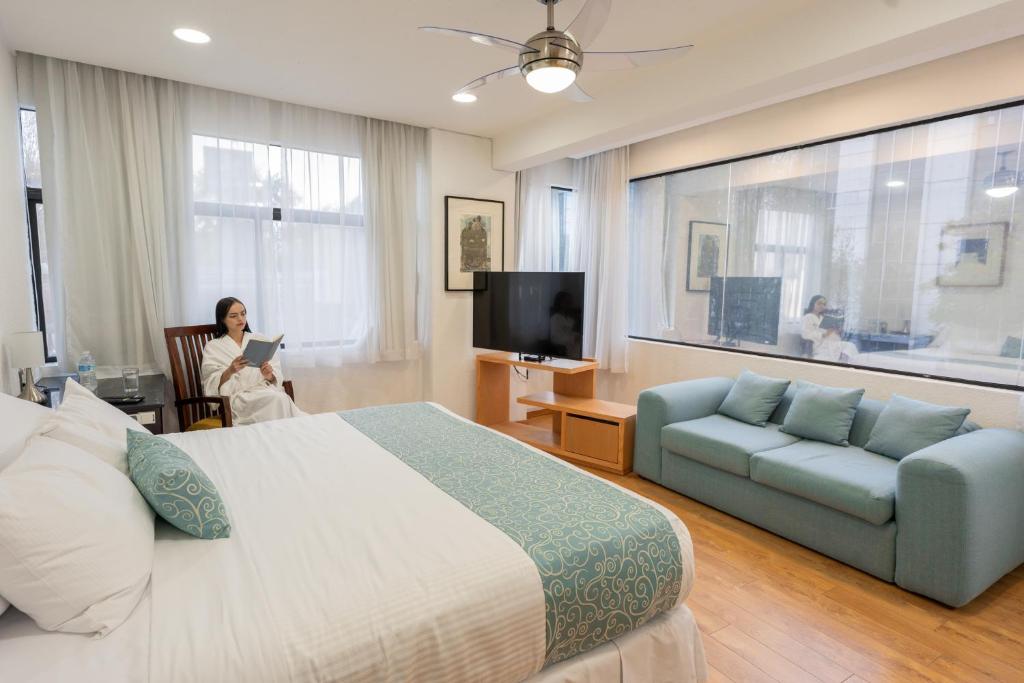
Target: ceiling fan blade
{"x":589,"y":22}
{"x":614,"y":61}
{"x":490,"y":78}
{"x":577,"y":94}
{"x":479,"y":38}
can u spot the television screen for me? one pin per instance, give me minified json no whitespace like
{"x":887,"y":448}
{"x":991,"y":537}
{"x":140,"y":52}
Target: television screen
{"x":537,"y":314}
{"x":745,"y":309}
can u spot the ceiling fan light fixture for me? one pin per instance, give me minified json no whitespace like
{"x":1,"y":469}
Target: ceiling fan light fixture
{"x":550,"y":79}
{"x":1003,"y":182}
{"x":464,"y":97}
{"x":1001,"y":192}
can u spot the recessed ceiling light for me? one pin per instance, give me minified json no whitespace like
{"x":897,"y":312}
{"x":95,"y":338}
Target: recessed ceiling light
{"x":191,"y":35}
{"x":895,"y":183}
{"x":464,"y":97}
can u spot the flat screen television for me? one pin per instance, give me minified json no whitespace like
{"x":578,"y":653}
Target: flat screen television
{"x":745,"y":309}
{"x":535,"y":314}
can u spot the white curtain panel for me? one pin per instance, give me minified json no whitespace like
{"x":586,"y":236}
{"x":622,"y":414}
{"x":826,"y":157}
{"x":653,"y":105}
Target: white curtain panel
{"x":112,"y":150}
{"x":600,"y":248}
{"x":651,"y":265}
{"x":161,"y":198}
{"x":536,"y":238}
{"x":394,"y":177}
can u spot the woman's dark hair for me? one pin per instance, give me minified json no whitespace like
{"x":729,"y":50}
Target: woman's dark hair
{"x":814,"y":300}
{"x":221,"y":312}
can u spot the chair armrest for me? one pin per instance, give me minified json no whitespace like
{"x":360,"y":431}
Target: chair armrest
{"x":220,"y":401}
{"x":668,"y":403}
{"x":288,"y":389}
{"x":959,"y":515}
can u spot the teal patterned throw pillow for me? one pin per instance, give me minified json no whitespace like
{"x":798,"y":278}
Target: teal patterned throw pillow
{"x":175,"y":487}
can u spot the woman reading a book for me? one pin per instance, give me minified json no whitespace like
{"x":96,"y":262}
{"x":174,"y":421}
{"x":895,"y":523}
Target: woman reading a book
{"x":255,"y":393}
{"x":826,"y":339}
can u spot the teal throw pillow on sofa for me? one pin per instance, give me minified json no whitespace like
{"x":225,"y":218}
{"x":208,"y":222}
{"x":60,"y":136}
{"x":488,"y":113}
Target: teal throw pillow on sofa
{"x":175,"y":487}
{"x":753,"y":398}
{"x":906,"y":426}
{"x":822,"y":413}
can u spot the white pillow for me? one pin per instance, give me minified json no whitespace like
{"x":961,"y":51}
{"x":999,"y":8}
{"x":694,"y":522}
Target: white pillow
{"x":92,"y":424}
{"x":19,"y":419}
{"x":76,"y":539}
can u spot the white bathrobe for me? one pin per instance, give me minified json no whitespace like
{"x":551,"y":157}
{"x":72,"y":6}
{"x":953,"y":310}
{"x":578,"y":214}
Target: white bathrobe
{"x":252,"y":398}
{"x":825,"y":346}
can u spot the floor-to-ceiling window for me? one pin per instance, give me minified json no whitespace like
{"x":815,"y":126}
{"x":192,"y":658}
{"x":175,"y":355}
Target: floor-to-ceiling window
{"x":897,"y":250}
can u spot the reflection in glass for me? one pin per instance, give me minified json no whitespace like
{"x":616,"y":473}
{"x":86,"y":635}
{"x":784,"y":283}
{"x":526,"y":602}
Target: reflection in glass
{"x":918,"y":266}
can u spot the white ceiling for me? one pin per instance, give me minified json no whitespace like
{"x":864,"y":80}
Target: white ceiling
{"x":368,"y":58}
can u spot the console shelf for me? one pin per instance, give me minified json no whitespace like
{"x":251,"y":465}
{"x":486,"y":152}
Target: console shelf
{"x":569,"y":422}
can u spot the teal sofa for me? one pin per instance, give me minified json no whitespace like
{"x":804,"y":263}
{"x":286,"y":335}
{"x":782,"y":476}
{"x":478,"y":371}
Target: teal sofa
{"x":946,"y":522}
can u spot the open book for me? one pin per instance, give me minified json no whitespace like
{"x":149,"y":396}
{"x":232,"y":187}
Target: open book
{"x":259,"y":352}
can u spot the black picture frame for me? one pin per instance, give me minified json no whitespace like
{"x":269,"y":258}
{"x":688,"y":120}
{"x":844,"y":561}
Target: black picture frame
{"x":457,"y":208}
{"x":694,"y":283}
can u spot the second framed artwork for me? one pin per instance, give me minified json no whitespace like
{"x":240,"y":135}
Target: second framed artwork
{"x":474,"y":240}
{"x":708,"y":249}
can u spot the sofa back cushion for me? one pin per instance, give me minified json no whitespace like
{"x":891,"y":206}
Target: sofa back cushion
{"x":753,"y":398}
{"x":822,"y":413}
{"x":864,"y":421}
{"x":906,"y":426}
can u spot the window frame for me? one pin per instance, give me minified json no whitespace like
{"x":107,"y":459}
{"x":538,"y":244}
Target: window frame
{"x":33,"y":200}
{"x":816,"y":143}
{"x":274,"y":214}
{"x":563,"y":230}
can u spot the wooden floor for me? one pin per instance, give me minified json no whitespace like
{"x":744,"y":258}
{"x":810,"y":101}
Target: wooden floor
{"x":771,"y":610}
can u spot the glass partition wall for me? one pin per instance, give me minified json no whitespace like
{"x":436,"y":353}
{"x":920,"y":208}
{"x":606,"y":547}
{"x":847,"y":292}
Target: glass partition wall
{"x":898,"y":250}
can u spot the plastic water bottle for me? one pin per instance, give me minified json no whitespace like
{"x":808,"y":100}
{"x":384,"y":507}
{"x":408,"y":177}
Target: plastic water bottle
{"x":87,"y":371}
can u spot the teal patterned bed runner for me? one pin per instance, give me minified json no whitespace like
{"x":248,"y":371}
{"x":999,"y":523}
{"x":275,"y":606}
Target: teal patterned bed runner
{"x":608,"y":561}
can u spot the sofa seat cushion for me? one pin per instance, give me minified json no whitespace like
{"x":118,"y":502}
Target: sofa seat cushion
{"x":722,"y":442}
{"x":844,"y":478}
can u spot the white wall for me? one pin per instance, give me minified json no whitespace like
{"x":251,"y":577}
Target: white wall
{"x":459,"y":165}
{"x":16,"y":313}
{"x":972,"y":79}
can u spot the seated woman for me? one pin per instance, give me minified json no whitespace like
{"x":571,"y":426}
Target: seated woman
{"x":826,"y":343}
{"x":255,"y":393}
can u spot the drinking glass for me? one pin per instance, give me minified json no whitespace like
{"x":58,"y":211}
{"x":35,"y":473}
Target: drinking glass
{"x":131,"y":380}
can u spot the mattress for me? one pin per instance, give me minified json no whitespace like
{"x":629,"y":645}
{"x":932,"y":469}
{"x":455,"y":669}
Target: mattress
{"x":941,"y":362}
{"x":346,"y":562}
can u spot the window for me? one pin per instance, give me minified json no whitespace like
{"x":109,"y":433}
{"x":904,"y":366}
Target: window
{"x":42,"y":295}
{"x":563,"y":212}
{"x":911,"y":235}
{"x":283,"y":230}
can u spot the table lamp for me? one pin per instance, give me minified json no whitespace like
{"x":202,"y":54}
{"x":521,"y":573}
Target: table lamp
{"x":25,"y":352}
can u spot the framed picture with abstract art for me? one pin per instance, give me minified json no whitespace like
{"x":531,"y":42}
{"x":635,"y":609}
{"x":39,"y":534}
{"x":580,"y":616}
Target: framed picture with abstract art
{"x":708,"y":247}
{"x":972,"y":255}
{"x":474,"y":238}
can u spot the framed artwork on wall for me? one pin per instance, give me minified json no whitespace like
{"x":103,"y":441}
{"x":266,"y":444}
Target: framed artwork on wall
{"x":474,"y":239}
{"x":972,"y":255}
{"x":707,"y":251}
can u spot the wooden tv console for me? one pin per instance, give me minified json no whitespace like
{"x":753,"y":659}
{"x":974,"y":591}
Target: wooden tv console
{"x":568,"y":422}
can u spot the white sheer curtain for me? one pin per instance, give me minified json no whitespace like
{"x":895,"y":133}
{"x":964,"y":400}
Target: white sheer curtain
{"x":161,"y":198}
{"x":651,"y":262}
{"x":113,"y":154}
{"x":394,"y":182}
{"x":537,"y":240}
{"x":600,"y":249}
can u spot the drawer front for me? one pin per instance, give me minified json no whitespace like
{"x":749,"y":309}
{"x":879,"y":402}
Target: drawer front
{"x":593,"y":438}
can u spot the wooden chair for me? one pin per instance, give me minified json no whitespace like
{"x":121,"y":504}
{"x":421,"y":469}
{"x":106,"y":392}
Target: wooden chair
{"x":196,"y":411}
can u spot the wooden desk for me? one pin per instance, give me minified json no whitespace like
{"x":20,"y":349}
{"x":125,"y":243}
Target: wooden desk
{"x":568,"y":422}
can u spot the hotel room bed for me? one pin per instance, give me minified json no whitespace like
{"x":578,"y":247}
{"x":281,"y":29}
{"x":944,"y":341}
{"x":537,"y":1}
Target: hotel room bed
{"x":396,"y":543}
{"x":943,"y":362}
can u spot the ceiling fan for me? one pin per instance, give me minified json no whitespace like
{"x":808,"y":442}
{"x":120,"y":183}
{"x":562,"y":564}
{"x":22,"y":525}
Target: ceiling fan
{"x":551,"y":60}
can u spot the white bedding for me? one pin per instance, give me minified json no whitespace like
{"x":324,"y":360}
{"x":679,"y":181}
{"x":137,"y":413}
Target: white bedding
{"x":343,"y":564}
{"x":942,"y":362}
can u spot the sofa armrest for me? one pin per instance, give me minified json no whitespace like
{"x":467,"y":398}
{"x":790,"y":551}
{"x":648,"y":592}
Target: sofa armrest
{"x":959,"y":515}
{"x":668,"y":403}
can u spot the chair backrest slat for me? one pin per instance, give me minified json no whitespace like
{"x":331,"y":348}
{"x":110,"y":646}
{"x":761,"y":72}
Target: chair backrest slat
{"x":185,"y":350}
